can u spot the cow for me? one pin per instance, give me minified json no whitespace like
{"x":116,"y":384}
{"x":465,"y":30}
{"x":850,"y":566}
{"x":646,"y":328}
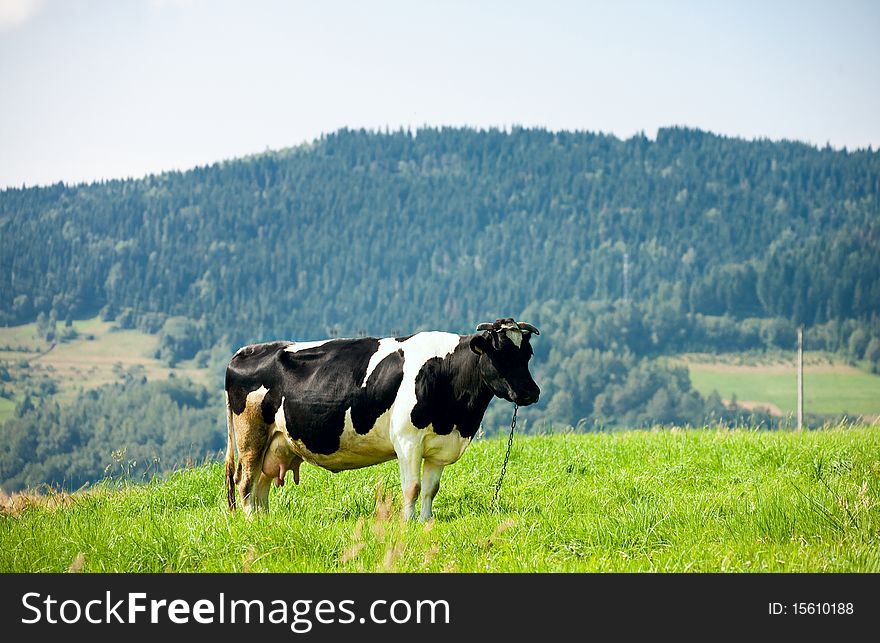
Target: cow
{"x":349,"y":403}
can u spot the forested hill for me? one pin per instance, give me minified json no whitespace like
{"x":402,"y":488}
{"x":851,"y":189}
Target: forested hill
{"x":447,"y":227}
{"x":617,"y":249}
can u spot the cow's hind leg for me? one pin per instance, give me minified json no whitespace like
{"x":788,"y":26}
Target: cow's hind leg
{"x":251,"y":436}
{"x":262,"y":484}
{"x":430,"y":486}
{"x":249,"y":483}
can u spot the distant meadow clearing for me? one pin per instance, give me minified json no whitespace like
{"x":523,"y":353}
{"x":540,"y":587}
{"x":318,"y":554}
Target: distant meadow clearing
{"x":636,"y":501}
{"x":832,"y":387}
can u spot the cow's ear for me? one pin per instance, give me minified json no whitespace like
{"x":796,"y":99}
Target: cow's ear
{"x":480,"y":343}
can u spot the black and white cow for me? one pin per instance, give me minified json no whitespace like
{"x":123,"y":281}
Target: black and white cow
{"x":350,"y":403}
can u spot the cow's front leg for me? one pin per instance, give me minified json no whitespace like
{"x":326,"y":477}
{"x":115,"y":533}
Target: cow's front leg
{"x":430,"y":486}
{"x":409,"y":457}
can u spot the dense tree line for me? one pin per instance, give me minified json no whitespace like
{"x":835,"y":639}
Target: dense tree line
{"x":621,"y":251}
{"x":598,"y":364}
{"x":133,"y":429}
{"x":377,"y":232}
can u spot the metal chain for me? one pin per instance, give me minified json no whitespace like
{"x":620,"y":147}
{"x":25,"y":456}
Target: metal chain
{"x":506,"y":455}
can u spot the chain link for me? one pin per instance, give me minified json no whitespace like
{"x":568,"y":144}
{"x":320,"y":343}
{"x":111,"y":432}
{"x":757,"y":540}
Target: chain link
{"x":506,"y":455}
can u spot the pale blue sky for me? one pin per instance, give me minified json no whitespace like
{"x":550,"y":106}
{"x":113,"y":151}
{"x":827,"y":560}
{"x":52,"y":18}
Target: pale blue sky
{"x":95,"y":89}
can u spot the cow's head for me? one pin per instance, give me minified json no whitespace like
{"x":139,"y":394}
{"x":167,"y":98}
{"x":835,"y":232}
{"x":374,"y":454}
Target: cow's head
{"x":505,"y":351}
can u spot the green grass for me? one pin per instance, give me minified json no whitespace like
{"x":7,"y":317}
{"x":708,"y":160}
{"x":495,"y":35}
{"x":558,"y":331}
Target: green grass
{"x":831,"y":387}
{"x":24,"y":336}
{"x":824,"y":393}
{"x":7,"y":409}
{"x":666,"y":500}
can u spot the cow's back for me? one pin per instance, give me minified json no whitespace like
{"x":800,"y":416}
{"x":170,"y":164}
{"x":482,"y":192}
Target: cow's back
{"x":315,"y":384}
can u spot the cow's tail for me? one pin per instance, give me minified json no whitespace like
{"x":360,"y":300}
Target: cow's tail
{"x":230,"y":457}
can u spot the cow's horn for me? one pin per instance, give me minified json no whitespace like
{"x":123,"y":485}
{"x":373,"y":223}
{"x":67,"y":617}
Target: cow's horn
{"x":484,"y":326}
{"x":528,"y":327}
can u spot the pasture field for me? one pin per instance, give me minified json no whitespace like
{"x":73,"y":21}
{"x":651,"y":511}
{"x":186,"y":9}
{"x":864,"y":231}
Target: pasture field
{"x":93,"y":358}
{"x":7,"y":408}
{"x":831,"y":387}
{"x":668,"y":500}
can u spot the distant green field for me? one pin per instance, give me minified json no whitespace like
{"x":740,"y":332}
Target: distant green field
{"x":87,"y":361}
{"x":7,"y":408}
{"x":664,"y":501}
{"x":824,"y":393}
{"x":830,"y":387}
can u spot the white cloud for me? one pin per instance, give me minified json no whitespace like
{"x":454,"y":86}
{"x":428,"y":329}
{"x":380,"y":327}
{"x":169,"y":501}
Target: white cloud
{"x":14,"y":13}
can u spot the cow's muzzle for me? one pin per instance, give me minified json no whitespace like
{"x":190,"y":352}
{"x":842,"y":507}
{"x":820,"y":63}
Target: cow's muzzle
{"x":528,"y":397}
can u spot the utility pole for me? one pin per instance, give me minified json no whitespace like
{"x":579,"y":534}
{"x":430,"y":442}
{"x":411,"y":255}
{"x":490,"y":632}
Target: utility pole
{"x":800,"y":379}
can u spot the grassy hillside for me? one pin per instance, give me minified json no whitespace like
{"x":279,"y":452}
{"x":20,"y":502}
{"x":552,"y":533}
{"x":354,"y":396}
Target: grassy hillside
{"x":95,"y":356}
{"x":700,"y":500}
{"x":831,"y":387}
